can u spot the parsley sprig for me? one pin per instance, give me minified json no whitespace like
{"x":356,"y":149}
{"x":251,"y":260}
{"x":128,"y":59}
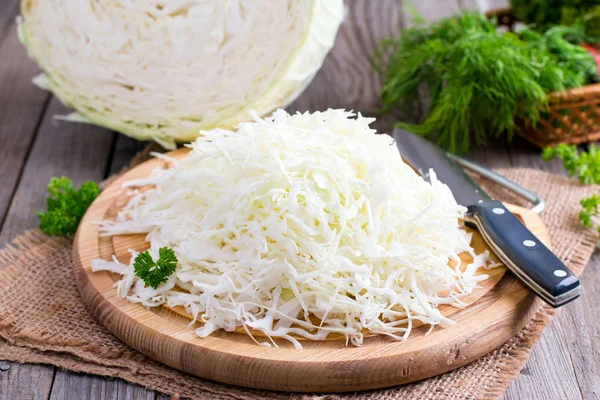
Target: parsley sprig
{"x":590,"y":208}
{"x":585,"y":165}
{"x":66,"y":206}
{"x":155,"y":273}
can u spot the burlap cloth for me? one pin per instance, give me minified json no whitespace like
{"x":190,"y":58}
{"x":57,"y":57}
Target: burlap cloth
{"x":43,"y":320}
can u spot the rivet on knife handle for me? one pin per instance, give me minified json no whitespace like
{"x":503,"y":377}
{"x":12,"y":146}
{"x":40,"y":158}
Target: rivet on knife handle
{"x":523,"y":253}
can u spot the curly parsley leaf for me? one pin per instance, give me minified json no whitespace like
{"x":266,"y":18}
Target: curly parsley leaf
{"x":585,"y":165}
{"x":155,"y":273}
{"x":589,"y":209}
{"x":65,"y":206}
{"x":567,"y":153}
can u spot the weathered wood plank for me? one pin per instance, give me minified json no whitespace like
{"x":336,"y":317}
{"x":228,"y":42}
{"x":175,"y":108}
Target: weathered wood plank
{"x":19,"y":381}
{"x":496,"y":155}
{"x":8,"y":11}
{"x":549,"y":372}
{"x":322,"y":96}
{"x":580,"y":327}
{"x":432,"y":10}
{"x":484,"y":5}
{"x":77,"y":151}
{"x":517,"y":154}
{"x":347,"y":79}
{"x":71,"y":386}
{"x":125,"y":149}
{"x":77,"y":386}
{"x":21,"y":107}
{"x":523,"y":154}
{"x":127,"y":391}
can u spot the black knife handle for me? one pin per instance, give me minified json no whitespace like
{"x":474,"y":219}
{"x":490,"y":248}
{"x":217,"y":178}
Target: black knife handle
{"x":523,"y":253}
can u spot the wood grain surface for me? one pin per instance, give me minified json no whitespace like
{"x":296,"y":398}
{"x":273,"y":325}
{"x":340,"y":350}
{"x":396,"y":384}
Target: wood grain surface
{"x":494,"y":313}
{"x":565,"y":362}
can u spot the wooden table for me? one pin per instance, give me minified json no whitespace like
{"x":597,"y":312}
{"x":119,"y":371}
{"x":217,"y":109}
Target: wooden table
{"x":565,"y":362}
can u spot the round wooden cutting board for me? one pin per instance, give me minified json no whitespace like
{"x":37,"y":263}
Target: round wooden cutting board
{"x":495,"y":313}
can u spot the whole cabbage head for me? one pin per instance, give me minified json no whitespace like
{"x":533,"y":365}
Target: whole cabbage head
{"x":164,"y":70}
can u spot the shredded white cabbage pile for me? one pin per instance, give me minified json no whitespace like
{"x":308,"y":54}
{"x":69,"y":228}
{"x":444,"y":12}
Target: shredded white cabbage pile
{"x":299,"y":226}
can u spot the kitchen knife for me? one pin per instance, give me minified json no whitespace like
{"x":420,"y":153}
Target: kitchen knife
{"x":519,"y":249}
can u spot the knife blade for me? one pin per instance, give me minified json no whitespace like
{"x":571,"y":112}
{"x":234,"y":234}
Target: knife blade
{"x":518,"y":248}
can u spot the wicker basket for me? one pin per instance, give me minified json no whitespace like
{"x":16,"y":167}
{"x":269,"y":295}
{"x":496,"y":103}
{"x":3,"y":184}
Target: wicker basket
{"x":573,"y":116}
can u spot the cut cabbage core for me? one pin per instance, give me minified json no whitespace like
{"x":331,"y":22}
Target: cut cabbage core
{"x":299,"y":226}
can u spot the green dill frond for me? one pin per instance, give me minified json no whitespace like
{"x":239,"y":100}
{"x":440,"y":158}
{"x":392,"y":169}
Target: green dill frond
{"x":478,"y":80}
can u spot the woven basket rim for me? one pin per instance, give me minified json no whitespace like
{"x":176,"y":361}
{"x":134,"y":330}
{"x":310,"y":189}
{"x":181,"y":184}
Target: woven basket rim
{"x":591,"y":89}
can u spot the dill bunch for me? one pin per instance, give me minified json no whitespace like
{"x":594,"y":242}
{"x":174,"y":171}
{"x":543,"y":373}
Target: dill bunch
{"x":565,"y":64}
{"x":542,"y":14}
{"x":478,"y":80}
